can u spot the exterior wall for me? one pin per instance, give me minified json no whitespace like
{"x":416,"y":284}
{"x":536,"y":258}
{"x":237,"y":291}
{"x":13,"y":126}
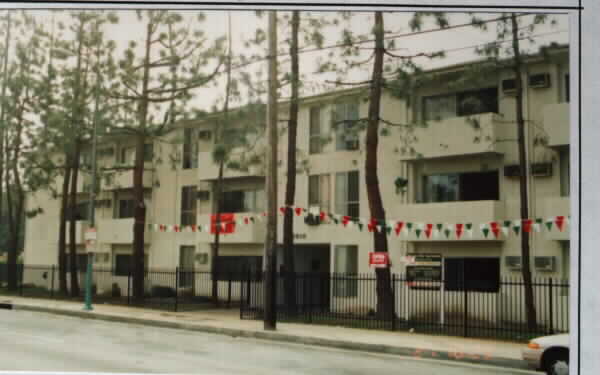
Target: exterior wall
{"x":167,"y":179}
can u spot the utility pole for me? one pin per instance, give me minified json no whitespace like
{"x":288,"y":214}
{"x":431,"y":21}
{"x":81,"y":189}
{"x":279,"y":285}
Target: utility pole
{"x":270,"y":258}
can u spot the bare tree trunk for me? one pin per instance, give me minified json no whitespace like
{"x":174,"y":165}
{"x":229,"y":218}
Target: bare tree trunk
{"x":139,"y":220}
{"x":62,"y":228}
{"x":290,"y":192}
{"x":138,"y":177}
{"x":270,"y":259}
{"x":384,"y":291}
{"x":525,"y":251}
{"x":3,"y":109}
{"x":72,"y":221}
{"x":214,"y":267}
{"x":11,"y":261}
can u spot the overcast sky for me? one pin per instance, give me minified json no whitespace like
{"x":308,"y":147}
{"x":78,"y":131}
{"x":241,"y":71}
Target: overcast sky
{"x":244,"y":24}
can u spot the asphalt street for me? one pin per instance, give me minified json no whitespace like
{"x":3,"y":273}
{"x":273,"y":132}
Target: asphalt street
{"x":31,"y":341}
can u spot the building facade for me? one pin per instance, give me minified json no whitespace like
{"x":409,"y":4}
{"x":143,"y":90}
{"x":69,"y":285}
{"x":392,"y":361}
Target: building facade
{"x":459,"y":168}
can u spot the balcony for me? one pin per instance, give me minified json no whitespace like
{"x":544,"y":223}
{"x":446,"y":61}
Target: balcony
{"x":475,"y":212}
{"x":557,"y":206}
{"x":556,"y":124}
{"x":209,"y":170}
{"x":80,"y":227}
{"x":458,"y":136}
{"x":124,"y":180}
{"x":243,"y":233}
{"x":118,"y":231}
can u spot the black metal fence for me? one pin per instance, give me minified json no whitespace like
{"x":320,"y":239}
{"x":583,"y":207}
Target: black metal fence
{"x":443,"y":307}
{"x":173,"y":289}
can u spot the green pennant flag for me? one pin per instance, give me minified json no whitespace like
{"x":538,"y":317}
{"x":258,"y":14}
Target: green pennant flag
{"x":549,"y":225}
{"x":439,"y":227}
{"x":447,"y":233}
{"x":360,"y":226}
{"x":418,"y":232}
{"x":539,"y":221}
{"x":507,"y":223}
{"x":388,"y":229}
{"x":409,"y":226}
{"x":335,"y":220}
{"x":486,"y":231}
{"x":469,"y":226}
{"x":516,"y":228}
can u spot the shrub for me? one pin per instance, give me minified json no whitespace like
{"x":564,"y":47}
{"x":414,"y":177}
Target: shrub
{"x":163,"y":291}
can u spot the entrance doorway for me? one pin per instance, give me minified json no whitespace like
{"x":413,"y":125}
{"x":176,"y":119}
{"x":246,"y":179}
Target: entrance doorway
{"x":186,"y":266}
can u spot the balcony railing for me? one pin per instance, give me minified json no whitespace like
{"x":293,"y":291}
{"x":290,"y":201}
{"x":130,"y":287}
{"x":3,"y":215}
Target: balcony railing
{"x":457,"y":136}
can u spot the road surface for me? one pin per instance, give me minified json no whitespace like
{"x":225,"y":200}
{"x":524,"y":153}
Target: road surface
{"x":31,"y":341}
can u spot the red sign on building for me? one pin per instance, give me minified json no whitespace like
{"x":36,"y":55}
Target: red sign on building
{"x":226,"y":223}
{"x":379,"y":259}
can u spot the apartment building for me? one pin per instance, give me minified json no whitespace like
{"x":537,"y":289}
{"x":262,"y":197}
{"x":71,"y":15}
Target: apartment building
{"x":461,"y":170}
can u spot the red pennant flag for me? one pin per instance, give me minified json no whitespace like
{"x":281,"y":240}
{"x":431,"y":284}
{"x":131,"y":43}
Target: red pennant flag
{"x":298,"y":211}
{"x":246,"y":220}
{"x":372,"y":225}
{"x":428,"y":229}
{"x":345,"y":220}
{"x":193,"y":227}
{"x":322,"y":216}
{"x":282,"y":209}
{"x":527,"y":225}
{"x":459,"y":230}
{"x":162,"y":228}
{"x":560,"y":221}
{"x":495,"y":229}
{"x":398,"y":228}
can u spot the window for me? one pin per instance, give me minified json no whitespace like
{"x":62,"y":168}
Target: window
{"x":315,"y":146}
{"x":190,"y":149}
{"x":124,"y":263}
{"x":345,"y":117}
{"x":188,"y":205}
{"x":126,"y":209}
{"x":126,"y":155}
{"x":346,"y":265}
{"x":478,"y":274}
{"x":346,"y":194}
{"x":473,"y":186}
{"x":440,"y":107}
{"x":148,"y":152}
{"x":238,"y":267}
{"x":243,"y":201}
{"x":318,"y":191}
{"x":81,"y":211}
{"x":565,"y":172}
{"x":186,"y":266}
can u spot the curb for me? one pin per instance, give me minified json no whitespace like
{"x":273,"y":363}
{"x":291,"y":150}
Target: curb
{"x":457,"y":358}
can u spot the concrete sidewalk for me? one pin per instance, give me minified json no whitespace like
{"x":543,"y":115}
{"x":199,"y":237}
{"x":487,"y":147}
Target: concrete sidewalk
{"x":221,"y":321}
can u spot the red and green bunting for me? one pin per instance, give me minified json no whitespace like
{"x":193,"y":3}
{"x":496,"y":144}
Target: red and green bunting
{"x":428,"y":230}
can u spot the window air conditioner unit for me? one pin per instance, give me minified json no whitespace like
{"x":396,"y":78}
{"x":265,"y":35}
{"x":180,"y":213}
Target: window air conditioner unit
{"x":539,"y":81}
{"x":313,"y":217}
{"x":541,"y":169}
{"x":513,"y":262}
{"x":509,"y":86}
{"x":205,"y":134}
{"x":546,"y":264}
{"x":512,"y":170}
{"x":203,"y":195}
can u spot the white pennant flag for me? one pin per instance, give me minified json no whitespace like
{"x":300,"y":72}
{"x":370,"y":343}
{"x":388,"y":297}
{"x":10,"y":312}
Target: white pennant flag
{"x":379,"y":228}
{"x":537,"y":227}
{"x":470,"y":232}
{"x":505,"y":231}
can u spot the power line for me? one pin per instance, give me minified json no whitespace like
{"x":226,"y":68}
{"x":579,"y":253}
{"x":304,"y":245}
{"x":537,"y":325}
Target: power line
{"x":389,"y":37}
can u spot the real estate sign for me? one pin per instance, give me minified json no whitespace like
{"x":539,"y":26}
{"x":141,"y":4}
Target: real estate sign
{"x":379,"y":259}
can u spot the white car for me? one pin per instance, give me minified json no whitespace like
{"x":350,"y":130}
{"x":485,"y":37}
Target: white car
{"x":549,"y":354}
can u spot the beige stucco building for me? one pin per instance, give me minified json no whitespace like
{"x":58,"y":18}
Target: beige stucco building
{"x":460,"y":172}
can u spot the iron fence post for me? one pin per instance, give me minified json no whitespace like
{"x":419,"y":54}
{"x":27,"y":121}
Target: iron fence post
{"x":52,"y":283}
{"x":393,"y":305}
{"x":22,"y":278}
{"x":176,"y":287}
{"x":229,"y":291}
{"x":466,"y":307}
{"x":129,"y":286}
{"x":551,"y":302}
{"x":310,"y":300}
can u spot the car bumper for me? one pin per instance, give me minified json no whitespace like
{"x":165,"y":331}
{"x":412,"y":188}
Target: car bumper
{"x":532,"y":357}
